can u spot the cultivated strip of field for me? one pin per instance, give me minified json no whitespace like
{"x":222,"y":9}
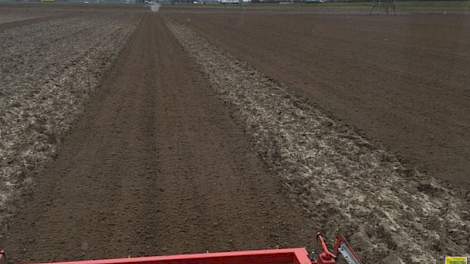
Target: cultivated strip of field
{"x":400,"y":80}
{"x":48,"y":70}
{"x":13,"y":17}
{"x":9,"y":14}
{"x":155,"y":166}
{"x":389,"y":212}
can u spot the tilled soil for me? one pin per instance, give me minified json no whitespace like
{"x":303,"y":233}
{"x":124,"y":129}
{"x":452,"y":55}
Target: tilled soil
{"x":400,"y":80}
{"x":184,"y":147}
{"x":49,"y":67}
{"x":156,"y":165}
{"x":14,"y":14}
{"x":390,"y":213}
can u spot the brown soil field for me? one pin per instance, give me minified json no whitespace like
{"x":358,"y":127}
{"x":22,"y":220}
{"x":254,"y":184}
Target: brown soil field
{"x":400,"y":80}
{"x":13,"y":15}
{"x":49,"y":67}
{"x":130,"y":133}
{"x":155,"y":166}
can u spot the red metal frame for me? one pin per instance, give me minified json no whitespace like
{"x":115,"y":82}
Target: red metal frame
{"x":325,"y":257}
{"x":270,"y":256}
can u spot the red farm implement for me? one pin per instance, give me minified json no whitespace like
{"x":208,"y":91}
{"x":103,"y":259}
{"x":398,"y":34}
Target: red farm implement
{"x":269,"y":256}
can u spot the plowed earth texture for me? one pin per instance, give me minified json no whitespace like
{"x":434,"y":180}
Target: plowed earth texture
{"x":131,"y":133}
{"x":155,"y":165}
{"x":49,"y":67}
{"x":400,"y":80}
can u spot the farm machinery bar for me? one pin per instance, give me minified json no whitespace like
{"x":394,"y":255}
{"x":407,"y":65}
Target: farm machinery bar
{"x":269,"y":256}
